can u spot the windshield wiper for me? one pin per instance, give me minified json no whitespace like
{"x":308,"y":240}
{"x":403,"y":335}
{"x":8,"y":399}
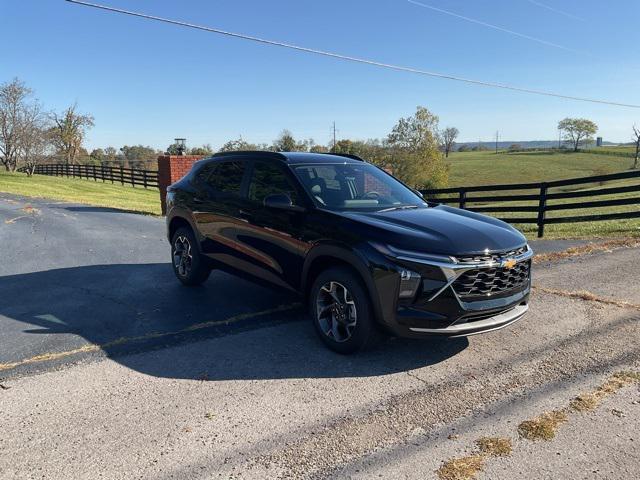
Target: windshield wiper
{"x":401,"y":207}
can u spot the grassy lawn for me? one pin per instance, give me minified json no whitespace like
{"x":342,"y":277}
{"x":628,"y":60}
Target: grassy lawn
{"x":487,"y":168}
{"x":82,"y":191}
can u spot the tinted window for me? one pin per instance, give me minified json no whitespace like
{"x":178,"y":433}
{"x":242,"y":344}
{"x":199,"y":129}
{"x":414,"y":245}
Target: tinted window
{"x":202,"y":175}
{"x":227,"y":177}
{"x":268,"y":179}
{"x":355,"y":187}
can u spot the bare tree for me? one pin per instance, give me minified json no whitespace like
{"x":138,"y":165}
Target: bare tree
{"x":36,"y":146}
{"x":636,"y":139}
{"x":449,"y":136}
{"x":69,"y":130}
{"x":16,"y":112}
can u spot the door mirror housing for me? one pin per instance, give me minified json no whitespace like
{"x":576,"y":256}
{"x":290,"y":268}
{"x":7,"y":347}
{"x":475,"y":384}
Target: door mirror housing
{"x":281,"y":201}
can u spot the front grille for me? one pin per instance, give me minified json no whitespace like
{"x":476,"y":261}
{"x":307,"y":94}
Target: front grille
{"x":491,"y":281}
{"x":492,"y":257}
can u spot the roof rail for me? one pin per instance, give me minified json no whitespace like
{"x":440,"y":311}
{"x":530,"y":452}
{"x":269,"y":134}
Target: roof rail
{"x":249,"y":153}
{"x":347,"y":155}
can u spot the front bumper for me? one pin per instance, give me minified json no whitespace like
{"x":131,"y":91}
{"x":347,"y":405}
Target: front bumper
{"x":439,"y":308}
{"x":467,"y":328}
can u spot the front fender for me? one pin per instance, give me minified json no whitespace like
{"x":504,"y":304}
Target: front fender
{"x":380,"y":278}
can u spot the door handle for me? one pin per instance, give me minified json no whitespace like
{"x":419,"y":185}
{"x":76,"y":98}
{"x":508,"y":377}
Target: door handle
{"x":198,"y":200}
{"x":244,"y":214}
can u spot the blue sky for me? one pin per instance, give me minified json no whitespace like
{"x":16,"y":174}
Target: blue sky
{"x":147,"y":82}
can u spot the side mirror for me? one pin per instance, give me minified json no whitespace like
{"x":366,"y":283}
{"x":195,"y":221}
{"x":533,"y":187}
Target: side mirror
{"x":281,"y":201}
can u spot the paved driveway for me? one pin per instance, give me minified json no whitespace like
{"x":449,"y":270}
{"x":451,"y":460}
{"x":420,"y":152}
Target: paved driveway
{"x":110,"y":369}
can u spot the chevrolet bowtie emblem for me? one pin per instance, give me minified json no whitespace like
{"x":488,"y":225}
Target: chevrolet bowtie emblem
{"x":508,"y":263}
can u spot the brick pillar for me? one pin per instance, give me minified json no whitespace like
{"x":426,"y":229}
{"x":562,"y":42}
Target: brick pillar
{"x":172,"y":168}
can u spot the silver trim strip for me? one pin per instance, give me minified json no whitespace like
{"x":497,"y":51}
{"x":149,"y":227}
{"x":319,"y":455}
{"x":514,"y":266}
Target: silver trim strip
{"x":465,"y":266}
{"x":486,"y":325}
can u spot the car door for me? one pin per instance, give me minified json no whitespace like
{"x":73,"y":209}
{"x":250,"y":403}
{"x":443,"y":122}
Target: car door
{"x":217,"y":210}
{"x":272,"y":240}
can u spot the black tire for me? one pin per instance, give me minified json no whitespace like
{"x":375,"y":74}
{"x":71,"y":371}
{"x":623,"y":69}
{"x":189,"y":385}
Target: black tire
{"x":190,"y":267}
{"x":364,"y":334}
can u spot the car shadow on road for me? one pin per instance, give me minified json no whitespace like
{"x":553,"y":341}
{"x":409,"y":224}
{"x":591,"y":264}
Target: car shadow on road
{"x":132,"y":312}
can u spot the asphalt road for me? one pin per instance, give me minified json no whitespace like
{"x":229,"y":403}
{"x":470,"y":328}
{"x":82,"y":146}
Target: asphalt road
{"x":110,"y":369}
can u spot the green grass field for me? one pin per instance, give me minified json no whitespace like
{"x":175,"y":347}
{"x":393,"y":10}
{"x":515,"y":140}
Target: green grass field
{"x":487,"y":168}
{"x":466,"y":169}
{"x":82,"y":191}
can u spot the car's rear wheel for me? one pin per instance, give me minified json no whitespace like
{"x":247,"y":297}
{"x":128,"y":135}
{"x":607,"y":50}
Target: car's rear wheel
{"x":341,"y":311}
{"x":188,"y":265}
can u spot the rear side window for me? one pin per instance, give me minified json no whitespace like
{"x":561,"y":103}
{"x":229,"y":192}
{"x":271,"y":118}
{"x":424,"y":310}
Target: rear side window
{"x":227,"y":177}
{"x":269,"y":179}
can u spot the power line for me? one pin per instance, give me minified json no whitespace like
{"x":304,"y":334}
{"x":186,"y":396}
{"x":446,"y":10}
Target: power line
{"x":553,"y":9}
{"x":354,"y":59}
{"x":495,"y":27}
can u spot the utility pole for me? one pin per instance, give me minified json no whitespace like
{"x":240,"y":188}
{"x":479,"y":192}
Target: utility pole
{"x":497,"y":137}
{"x":334,"y":137}
{"x":559,"y":138}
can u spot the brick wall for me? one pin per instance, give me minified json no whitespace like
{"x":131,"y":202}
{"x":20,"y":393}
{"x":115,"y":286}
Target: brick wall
{"x":172,"y":168}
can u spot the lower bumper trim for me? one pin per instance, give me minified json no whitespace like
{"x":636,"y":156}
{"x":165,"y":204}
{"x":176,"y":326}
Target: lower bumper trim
{"x":471,"y":328}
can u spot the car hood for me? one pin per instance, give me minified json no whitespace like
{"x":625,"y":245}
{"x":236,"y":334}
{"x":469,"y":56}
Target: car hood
{"x":442,"y":229}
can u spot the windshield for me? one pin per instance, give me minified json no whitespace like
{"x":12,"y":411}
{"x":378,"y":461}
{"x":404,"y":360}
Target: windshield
{"x":355,"y":187}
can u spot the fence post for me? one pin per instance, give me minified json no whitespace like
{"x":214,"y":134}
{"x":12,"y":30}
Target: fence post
{"x":144,"y":178}
{"x":463,"y":198}
{"x":131,"y":171}
{"x":542,"y":207}
{"x":122,"y":176}
{"x":95,"y":178}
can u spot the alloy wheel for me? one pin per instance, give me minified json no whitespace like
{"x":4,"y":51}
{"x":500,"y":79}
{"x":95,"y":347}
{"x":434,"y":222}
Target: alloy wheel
{"x":336,"y":311}
{"x":182,"y":257}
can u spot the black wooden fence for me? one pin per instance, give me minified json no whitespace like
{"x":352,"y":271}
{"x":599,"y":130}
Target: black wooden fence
{"x":544,"y":197}
{"x":124,"y":176}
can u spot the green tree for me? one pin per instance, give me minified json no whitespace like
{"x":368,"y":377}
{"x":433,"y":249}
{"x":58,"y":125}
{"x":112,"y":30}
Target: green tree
{"x":97,"y":156}
{"x":69,"y":131}
{"x":414,"y":155}
{"x":238,"y":145}
{"x":138,"y":153}
{"x":285,"y":142}
{"x":205,"y":150}
{"x":577,"y":131}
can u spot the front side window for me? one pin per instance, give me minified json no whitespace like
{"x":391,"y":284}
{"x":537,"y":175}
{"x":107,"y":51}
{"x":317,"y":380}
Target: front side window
{"x":355,"y":187}
{"x":227,"y":177}
{"x":269,"y":179}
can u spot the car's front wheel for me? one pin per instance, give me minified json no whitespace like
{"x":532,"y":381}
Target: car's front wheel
{"x":188,"y":264}
{"x":341,"y":311}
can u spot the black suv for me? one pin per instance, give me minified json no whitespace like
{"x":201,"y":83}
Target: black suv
{"x":366,"y":252}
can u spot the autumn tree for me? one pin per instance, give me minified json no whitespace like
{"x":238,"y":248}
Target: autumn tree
{"x":577,"y":131}
{"x":414,"y":155}
{"x":449,"y":136}
{"x":69,"y":131}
